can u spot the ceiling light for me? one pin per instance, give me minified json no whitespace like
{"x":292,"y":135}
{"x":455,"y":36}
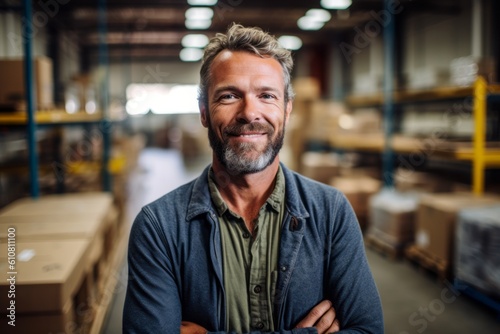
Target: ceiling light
{"x":319,"y":14}
{"x":198,"y":24}
{"x":336,"y":4}
{"x":309,"y":23}
{"x":199,"y":13}
{"x":194,"y":41}
{"x":191,"y":54}
{"x":202,"y":2}
{"x":290,"y":42}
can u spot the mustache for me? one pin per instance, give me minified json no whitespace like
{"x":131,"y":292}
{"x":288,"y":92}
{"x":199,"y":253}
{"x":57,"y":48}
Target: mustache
{"x":238,"y":129}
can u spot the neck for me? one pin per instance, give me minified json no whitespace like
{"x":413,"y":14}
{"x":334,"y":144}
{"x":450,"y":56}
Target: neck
{"x":246,"y":193}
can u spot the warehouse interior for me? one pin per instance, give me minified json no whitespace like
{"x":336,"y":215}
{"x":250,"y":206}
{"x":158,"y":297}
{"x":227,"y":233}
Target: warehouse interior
{"x":396,"y":105}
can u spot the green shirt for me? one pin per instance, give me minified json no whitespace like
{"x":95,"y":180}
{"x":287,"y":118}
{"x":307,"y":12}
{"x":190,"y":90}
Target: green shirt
{"x":250,"y":264}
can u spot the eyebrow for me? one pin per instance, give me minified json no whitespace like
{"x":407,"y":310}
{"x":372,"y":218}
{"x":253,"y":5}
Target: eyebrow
{"x":236,"y":89}
{"x":226,"y":88}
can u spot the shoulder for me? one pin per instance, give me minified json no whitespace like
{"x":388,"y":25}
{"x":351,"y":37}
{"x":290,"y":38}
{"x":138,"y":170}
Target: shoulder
{"x":161,"y":222}
{"x":172,"y":207}
{"x":176,"y":198}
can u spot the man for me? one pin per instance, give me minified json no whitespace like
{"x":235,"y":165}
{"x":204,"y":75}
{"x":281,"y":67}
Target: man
{"x":249,"y":246}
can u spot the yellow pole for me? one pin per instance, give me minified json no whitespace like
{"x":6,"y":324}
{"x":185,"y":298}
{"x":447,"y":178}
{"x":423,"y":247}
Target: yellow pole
{"x":478,"y":163}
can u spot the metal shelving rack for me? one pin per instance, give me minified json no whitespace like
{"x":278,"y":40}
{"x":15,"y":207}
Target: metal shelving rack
{"x":33,"y":119}
{"x":479,"y":154}
{"x":481,"y":157}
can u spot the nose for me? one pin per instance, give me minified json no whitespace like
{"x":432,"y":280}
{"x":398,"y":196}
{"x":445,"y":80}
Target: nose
{"x":249,"y":110}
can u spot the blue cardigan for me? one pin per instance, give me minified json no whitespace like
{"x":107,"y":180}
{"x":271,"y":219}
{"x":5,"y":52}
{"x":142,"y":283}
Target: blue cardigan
{"x":175,"y":262}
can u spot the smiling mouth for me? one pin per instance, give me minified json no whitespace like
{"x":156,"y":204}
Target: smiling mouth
{"x":248,"y":131}
{"x":247,"y":134}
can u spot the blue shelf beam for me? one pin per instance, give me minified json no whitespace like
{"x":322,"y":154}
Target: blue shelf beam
{"x":389,"y":73}
{"x":30,"y":98}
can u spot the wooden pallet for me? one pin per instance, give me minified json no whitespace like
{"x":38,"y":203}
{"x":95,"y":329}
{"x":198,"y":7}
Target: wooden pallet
{"x":428,"y":262}
{"x":384,"y":248}
{"x":113,"y":281}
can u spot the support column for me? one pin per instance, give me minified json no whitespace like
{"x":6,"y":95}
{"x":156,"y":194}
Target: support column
{"x":29,"y":87}
{"x":389,"y":69}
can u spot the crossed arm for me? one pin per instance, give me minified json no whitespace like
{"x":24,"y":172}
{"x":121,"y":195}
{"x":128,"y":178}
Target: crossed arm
{"x":321,"y":317}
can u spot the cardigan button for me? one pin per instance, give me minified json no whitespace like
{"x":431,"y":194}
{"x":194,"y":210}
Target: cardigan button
{"x":259,"y":325}
{"x":257,"y":289}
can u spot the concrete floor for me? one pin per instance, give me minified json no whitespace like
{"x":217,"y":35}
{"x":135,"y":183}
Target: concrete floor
{"x":413,"y":302}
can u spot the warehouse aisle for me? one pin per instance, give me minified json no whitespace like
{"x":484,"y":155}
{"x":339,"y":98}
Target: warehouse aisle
{"x":413,"y":302}
{"x":158,"y":171}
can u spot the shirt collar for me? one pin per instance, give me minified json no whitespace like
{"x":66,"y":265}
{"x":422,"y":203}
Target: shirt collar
{"x":274,"y":201}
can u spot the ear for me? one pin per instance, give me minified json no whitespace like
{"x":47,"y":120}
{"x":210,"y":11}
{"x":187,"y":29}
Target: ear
{"x":288,"y":110}
{"x":203,"y":113}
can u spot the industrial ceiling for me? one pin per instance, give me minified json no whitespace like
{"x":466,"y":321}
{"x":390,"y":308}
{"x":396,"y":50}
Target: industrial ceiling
{"x":154,"y":29}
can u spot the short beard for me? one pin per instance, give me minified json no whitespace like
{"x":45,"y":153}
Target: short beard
{"x":233,"y":159}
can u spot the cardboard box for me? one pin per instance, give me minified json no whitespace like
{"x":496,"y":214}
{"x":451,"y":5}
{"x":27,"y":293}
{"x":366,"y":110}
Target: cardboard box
{"x":89,"y":216}
{"x":61,"y":322}
{"x":49,"y":227}
{"x":320,"y":166}
{"x":436,"y":218}
{"x":411,"y":180}
{"x":363,"y":120}
{"x":323,"y":119}
{"x":477,"y":257}
{"x":391,"y":217}
{"x":372,"y":172}
{"x":74,"y":203}
{"x":306,"y":88}
{"x":12,"y":90}
{"x":357,"y":141}
{"x":358,"y":190}
{"x":49,"y":274}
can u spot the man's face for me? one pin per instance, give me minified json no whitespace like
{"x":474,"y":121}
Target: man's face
{"x":246,"y":113}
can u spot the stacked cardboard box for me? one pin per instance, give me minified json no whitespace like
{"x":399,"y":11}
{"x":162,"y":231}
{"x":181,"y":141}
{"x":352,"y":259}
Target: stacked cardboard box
{"x":391,"y":217}
{"x":63,"y":247}
{"x":320,"y":166}
{"x":12,"y":91}
{"x":48,"y":274}
{"x":477,"y":258}
{"x":436,"y":218}
{"x":322,"y":119}
{"x":358,"y":190}
{"x":411,"y":180}
{"x":306,"y":88}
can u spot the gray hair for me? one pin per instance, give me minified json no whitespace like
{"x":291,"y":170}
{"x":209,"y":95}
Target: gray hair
{"x":253,"y":40}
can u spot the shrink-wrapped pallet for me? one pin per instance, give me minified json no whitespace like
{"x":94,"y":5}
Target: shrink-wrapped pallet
{"x":477,"y":244}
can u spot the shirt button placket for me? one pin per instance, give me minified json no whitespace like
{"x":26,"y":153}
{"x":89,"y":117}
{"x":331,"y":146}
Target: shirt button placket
{"x":259,"y":325}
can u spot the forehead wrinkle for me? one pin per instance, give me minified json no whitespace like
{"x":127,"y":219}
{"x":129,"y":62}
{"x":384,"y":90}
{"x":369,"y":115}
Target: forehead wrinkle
{"x":261,"y":73}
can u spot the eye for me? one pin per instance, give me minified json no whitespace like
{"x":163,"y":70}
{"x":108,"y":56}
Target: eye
{"x":227,"y":97}
{"x":267,"y":96}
